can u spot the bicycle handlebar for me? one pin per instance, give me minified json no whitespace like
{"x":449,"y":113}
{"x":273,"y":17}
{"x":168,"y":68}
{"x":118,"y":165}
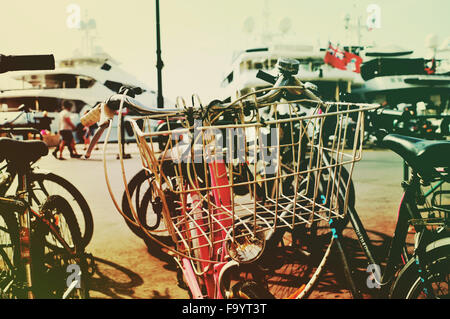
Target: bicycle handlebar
{"x":284,"y":79}
{"x":104,"y":112}
{"x":26,"y":62}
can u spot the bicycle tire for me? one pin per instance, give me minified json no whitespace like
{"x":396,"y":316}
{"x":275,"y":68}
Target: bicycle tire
{"x":142,"y":206}
{"x":51,"y":262}
{"x":12,"y":274}
{"x":315,"y":240}
{"x":438,"y":271}
{"x":77,"y":201}
{"x":408,"y":284}
{"x":297,"y":260}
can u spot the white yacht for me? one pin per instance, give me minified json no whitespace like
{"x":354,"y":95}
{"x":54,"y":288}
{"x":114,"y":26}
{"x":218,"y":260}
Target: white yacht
{"x":246,"y":63}
{"x":82,"y":80}
{"x":398,"y":79}
{"x":394,"y":76}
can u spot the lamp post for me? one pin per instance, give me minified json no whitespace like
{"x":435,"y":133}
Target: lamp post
{"x":159,"y":62}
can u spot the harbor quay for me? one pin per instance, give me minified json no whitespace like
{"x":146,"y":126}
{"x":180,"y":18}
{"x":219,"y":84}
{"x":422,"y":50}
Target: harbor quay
{"x":126,"y":267}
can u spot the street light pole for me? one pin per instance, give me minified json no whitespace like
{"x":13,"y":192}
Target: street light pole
{"x":159,"y":62}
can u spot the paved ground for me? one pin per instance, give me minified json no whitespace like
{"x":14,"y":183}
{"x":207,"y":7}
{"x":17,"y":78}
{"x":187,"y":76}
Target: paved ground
{"x":127,"y":270}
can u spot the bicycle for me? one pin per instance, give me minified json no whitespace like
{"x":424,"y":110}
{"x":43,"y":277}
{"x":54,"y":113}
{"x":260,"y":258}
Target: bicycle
{"x":36,"y":244}
{"x":413,"y":274}
{"x":45,"y":183}
{"x":200,"y":215}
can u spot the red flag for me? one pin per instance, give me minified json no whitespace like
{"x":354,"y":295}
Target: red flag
{"x":432,"y":69}
{"x":335,"y":58}
{"x":353,"y":62}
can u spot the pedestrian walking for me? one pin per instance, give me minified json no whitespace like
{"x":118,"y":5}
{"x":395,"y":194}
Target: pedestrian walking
{"x":65,"y":131}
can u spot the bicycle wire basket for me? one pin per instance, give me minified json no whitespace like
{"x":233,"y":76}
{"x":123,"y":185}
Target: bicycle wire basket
{"x":228,"y":178}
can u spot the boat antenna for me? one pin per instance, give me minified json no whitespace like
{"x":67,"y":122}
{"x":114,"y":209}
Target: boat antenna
{"x":159,"y":62}
{"x":86,"y":25}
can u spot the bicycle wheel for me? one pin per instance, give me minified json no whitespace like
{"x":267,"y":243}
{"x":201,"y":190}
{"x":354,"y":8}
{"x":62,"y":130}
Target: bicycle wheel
{"x":45,"y":185}
{"x":58,"y":271}
{"x":294,"y":257}
{"x":12,"y":275}
{"x":433,"y":279}
{"x":147,"y":204}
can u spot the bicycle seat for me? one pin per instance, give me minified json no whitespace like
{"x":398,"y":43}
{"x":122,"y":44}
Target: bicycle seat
{"x":22,"y":152}
{"x":421,"y":155}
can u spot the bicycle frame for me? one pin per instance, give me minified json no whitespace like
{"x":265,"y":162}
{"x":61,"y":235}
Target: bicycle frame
{"x":222,"y":198}
{"x":397,"y":251}
{"x":25,"y":233}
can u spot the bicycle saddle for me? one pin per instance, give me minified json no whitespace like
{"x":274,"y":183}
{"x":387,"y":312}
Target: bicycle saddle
{"x":421,"y":155}
{"x":23,"y":152}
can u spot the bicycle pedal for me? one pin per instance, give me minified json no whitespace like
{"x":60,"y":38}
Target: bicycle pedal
{"x":91,"y":265}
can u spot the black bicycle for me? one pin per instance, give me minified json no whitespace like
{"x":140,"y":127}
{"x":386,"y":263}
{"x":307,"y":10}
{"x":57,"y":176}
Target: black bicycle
{"x":424,"y":271}
{"x":42,"y":183}
{"x":40,"y":239}
{"x":37,"y":246}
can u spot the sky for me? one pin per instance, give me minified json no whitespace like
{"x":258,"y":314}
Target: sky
{"x":199,"y":36}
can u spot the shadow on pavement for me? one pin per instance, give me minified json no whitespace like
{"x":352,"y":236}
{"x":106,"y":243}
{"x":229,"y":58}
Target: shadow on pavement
{"x":159,"y":252}
{"x":113,"y":280}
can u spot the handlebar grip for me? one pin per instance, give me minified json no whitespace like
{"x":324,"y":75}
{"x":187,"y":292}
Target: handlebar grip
{"x":95,"y":139}
{"x":266,"y":77}
{"x":92,"y":117}
{"x":132,"y":90}
{"x":26,"y":62}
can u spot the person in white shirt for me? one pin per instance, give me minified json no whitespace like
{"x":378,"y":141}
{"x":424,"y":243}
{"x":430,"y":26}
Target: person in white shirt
{"x":65,"y":131}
